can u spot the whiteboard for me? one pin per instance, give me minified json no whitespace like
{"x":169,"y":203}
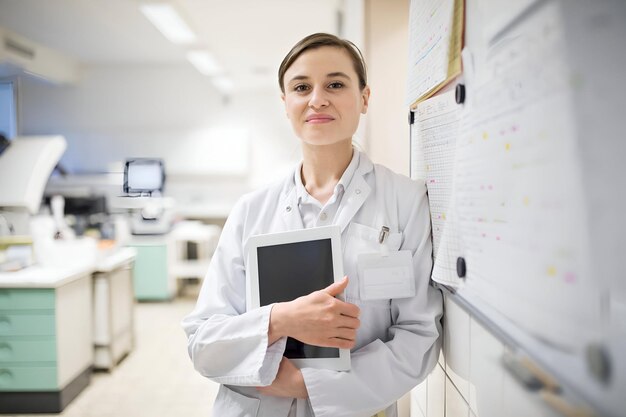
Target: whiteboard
{"x":532,"y":186}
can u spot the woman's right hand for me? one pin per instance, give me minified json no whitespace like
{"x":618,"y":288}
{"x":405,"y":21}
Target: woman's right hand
{"x":317,"y":319}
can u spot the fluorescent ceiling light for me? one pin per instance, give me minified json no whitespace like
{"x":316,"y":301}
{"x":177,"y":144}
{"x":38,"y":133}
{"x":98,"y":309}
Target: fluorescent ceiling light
{"x":169,"y":22}
{"x":224,"y":84}
{"x":204,"y":62}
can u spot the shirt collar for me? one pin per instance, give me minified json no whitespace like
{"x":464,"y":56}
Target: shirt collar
{"x":303,"y":195}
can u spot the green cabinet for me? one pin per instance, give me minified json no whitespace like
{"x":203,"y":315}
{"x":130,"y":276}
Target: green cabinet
{"x":24,"y":299}
{"x":27,"y":339}
{"x":151,"y":280}
{"x":28,"y":378}
{"x":34,"y":349}
{"x":46,"y":348}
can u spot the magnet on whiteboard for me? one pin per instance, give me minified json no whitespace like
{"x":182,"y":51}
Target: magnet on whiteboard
{"x":459,"y":94}
{"x":599,"y":362}
{"x":460,"y":267}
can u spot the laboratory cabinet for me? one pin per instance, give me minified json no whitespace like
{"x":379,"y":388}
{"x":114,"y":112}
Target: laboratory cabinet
{"x":113,"y":303}
{"x":152,"y":280}
{"x":46,"y":349}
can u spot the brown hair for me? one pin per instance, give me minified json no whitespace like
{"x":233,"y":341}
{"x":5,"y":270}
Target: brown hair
{"x":317,"y":40}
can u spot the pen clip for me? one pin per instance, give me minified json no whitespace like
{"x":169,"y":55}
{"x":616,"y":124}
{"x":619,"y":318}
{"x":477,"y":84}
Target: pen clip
{"x":382,"y":236}
{"x":382,"y":239}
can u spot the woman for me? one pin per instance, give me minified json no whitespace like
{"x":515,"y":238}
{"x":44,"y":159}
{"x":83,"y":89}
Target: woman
{"x":394,"y":342}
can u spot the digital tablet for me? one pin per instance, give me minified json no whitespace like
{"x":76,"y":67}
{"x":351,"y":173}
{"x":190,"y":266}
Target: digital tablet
{"x":285,"y":266}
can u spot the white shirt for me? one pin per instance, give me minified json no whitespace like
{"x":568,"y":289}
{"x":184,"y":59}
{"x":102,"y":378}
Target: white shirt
{"x":313,"y":213}
{"x":398,"y":342}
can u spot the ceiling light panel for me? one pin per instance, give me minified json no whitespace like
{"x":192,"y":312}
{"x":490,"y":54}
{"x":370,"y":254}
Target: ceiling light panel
{"x":204,"y":62}
{"x":224,"y":84}
{"x":169,"y":22}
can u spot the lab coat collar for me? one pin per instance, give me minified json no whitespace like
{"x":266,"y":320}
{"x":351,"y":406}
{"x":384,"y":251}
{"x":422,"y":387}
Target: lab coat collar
{"x":355,"y":195}
{"x":289,"y":208}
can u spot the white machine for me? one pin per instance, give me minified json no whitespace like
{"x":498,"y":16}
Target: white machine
{"x":151,"y":215}
{"x":25,"y":167}
{"x":144,"y":181}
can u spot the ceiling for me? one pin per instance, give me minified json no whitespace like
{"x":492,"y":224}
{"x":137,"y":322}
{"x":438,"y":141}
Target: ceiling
{"x":247,"y":37}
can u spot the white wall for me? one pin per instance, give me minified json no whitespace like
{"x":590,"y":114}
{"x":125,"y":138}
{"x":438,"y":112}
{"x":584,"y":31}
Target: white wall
{"x":386,"y":38}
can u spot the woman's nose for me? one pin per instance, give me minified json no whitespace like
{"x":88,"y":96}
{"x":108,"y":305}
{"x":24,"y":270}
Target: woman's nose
{"x":318,"y":98}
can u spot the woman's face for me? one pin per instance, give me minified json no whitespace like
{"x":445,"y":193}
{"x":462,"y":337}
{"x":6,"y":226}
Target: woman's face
{"x":322,"y":96}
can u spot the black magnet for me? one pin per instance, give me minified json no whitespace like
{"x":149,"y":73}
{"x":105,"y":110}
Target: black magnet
{"x":599,"y":362}
{"x":459,"y":94}
{"x":460,"y":267}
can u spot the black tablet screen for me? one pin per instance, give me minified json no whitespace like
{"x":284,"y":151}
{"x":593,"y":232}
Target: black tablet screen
{"x":291,"y":270}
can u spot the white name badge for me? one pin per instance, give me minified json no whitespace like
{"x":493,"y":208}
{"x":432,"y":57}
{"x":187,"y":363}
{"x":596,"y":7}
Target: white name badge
{"x":384,"y":276}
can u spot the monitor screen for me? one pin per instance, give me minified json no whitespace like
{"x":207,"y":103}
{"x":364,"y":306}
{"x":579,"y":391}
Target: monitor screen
{"x":144,"y":175}
{"x":291,"y":270}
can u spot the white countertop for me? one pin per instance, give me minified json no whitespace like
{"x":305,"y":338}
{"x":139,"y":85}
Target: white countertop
{"x":115,"y":259}
{"x":44,"y":277}
{"x":38,"y":276}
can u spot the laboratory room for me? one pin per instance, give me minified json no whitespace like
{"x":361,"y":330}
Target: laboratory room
{"x":331,"y":208}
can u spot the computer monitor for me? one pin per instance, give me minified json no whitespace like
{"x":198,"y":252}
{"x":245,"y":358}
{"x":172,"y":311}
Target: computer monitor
{"x":144,"y":175}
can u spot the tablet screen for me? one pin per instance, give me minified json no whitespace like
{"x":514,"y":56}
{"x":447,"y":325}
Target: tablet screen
{"x":291,"y":270}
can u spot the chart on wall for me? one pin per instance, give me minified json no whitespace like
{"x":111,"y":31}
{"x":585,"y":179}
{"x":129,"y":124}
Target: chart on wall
{"x":505,"y":179}
{"x":525,"y":180}
{"x":435,"y":42}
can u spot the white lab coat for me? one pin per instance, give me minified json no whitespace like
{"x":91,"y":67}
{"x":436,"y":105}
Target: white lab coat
{"x":397,"y":344}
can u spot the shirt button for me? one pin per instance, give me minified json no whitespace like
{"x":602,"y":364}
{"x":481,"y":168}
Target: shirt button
{"x":357,"y":191}
{"x":288,"y":208}
{"x":323,"y":216}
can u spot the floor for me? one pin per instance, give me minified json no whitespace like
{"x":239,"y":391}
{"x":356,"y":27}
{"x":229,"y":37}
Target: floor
{"x":156,"y":379}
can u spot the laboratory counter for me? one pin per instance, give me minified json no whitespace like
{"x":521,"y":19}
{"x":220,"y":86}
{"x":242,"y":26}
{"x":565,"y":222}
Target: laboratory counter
{"x":50,"y":318}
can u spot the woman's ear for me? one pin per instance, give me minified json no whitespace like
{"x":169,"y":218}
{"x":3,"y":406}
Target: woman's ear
{"x":365,"y":97}
{"x":282,"y":97}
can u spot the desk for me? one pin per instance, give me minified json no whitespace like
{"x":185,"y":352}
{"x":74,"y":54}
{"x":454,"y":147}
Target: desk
{"x":46,"y":348}
{"x":113,"y":302}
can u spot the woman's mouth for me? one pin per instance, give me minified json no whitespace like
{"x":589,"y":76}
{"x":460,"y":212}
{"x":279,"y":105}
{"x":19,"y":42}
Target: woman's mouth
{"x":319,"y":118}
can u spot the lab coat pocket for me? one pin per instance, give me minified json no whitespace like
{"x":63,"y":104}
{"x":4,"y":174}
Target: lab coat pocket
{"x":361,"y":239}
{"x":230,"y":403}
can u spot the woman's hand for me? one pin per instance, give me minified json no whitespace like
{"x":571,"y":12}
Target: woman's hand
{"x":317,"y":319}
{"x":288,"y":382}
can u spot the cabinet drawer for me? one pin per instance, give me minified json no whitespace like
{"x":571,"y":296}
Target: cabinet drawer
{"x":28,"y":378}
{"x":31,"y":350}
{"x":27,"y":325}
{"x":26,"y":299}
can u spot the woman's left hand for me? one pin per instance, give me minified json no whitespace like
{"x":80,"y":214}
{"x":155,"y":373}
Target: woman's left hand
{"x":288,"y":382}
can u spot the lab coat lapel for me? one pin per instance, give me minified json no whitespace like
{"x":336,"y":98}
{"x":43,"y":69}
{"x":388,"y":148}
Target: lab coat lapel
{"x":355,"y":195}
{"x":290,"y":211}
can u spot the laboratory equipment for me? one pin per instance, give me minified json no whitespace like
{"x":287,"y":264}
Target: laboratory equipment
{"x":144,"y":181}
{"x":144,"y":176}
{"x":87,"y":214}
{"x":25,"y":167}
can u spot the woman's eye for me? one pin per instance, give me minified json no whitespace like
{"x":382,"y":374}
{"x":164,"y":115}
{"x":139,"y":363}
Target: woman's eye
{"x":301,"y":87}
{"x":335,"y":85}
